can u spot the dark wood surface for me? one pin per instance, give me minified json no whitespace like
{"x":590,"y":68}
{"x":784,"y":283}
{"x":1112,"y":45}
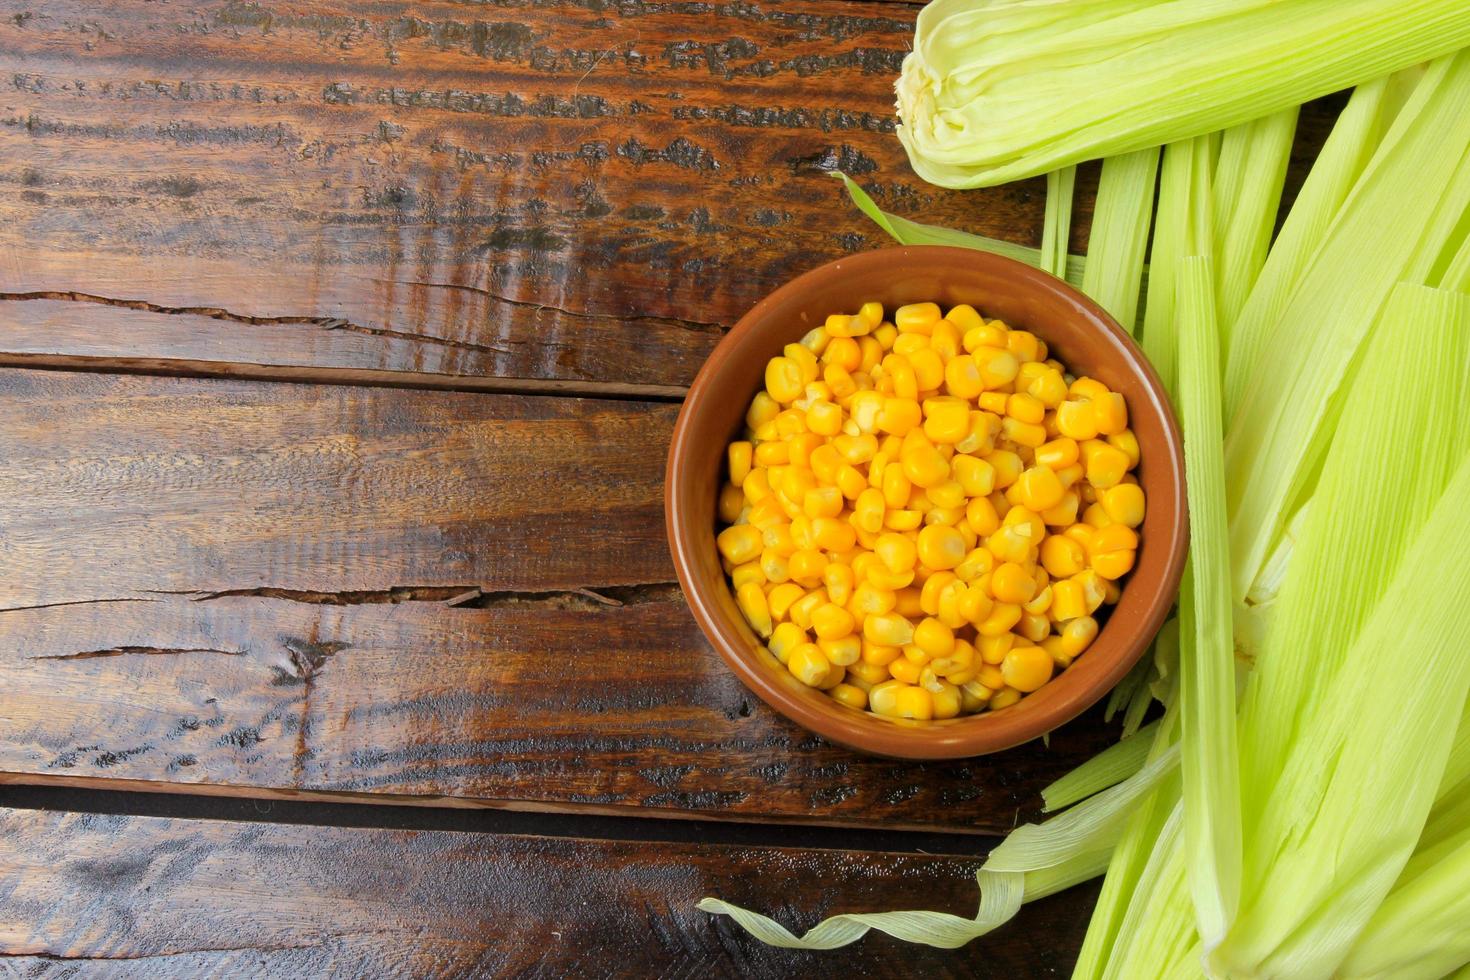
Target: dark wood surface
{"x":121,"y":896}
{"x":248,"y":561}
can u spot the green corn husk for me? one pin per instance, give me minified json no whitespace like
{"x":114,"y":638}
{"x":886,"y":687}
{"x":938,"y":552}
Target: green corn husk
{"x":1420,"y":929}
{"x":1348,"y":810}
{"x":907,"y":232}
{"x":1247,"y":194}
{"x":1120,"y":223}
{"x":1058,"y":223}
{"x":1208,"y":762}
{"x":1181,"y":227}
{"x":997,"y":90}
{"x":1388,"y":231}
{"x":1354,"y":139}
{"x":1109,"y":767}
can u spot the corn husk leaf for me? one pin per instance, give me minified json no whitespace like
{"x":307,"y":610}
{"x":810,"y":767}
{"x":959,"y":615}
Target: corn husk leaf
{"x":1118,"y":242}
{"x":997,"y":90}
{"x":1057,"y":225}
{"x":1109,"y":767}
{"x":907,"y":232}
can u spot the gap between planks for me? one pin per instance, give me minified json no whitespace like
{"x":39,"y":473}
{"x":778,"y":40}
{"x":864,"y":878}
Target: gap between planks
{"x":144,"y":799}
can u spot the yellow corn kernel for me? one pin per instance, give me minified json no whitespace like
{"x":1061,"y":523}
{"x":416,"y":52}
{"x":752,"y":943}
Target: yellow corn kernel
{"x":962,"y":377}
{"x":850,"y":482}
{"x":801,"y":610}
{"x":1023,"y":345}
{"x":852,"y":697}
{"x":1057,"y":453}
{"x":1063,"y":514}
{"x":990,"y":675}
{"x":994,"y":402}
{"x":944,"y":341}
{"x":1069,"y":475}
{"x":809,"y":665}
{"x":1002,"y":619}
{"x":974,"y":696}
{"x":1012,"y":542}
{"x":909,"y":602}
{"x":883,"y":698}
{"x":1008,"y":467}
{"x":1061,"y":556}
{"x":964,"y":317}
{"x":924,"y":465}
{"x":1110,"y":413}
{"x":879,"y":654}
{"x":824,"y":418}
{"x":940,"y":547}
{"x":916,"y":655}
{"x":1053,"y":647}
{"x":888,"y":630}
{"x":1088,"y":388}
{"x":1004,"y":698}
{"x":899,"y":373}
{"x":976,"y":477}
{"x":1075,"y":420}
{"x":1081,"y":533}
{"x":1012,"y":583}
{"x":763,"y":410}
{"x":899,"y":415}
{"x":785,"y":638}
{"x":865,"y":409}
{"x":981,"y":515}
{"x":1105,"y":465}
{"x":805,"y":566}
{"x":928,"y":369}
{"x":993,"y":649}
{"x":839,"y":580}
{"x":751,"y":599}
{"x":913,"y":702}
{"x":1127,"y":443}
{"x":769,"y":454}
{"x":844,"y":353}
{"x":1034,"y":627}
{"x":731,"y":503}
{"x":1040,"y":602}
{"x":934,"y":638}
{"x":1022,"y":433}
{"x":1114,"y":537}
{"x":997,"y":366}
{"x":830,"y":621}
{"x":1025,"y":408}
{"x":948,"y":495}
{"x":1096,"y":517}
{"x":871,"y":313}
{"x":1027,"y":668}
{"x":910,"y":343}
{"x":750,"y":572}
{"x":1048,"y":387}
{"x":774,"y":568}
{"x":946,"y":702}
{"x":784,"y":381}
{"x":1067,"y":600}
{"x":1038,"y":489}
{"x":739,"y":456}
{"x":1094,"y":589}
{"x":1113,"y":564}
{"x":854,"y":449}
{"x":903,"y":520}
{"x":842,"y":325}
{"x":947,"y":419}
{"x":874,"y":347}
{"x":822,"y":502}
{"x":867,"y":511}
{"x":906,"y":670}
{"x":778,"y":539}
{"x":897,"y":552}
{"x":916,"y":317}
{"x":1124,"y":503}
{"x":896,"y":486}
{"x":805,"y":361}
{"x":933,"y":586}
{"x":831,"y":534}
{"x":740,"y":544}
{"x":978,"y":562}
{"x":1078,"y":635}
{"x":961,"y":659}
{"x":781,"y":597}
{"x":842,"y":650}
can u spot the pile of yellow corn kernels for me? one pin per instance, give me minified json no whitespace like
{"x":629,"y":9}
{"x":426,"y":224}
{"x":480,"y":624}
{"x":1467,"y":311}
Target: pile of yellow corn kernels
{"x":926,"y":514}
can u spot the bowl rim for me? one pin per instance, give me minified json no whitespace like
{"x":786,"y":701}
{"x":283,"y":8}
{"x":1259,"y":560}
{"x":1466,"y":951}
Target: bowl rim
{"x":984,"y":733}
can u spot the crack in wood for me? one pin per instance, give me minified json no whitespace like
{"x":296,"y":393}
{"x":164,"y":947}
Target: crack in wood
{"x":458,"y":596}
{"x":132,"y":650}
{"x":701,"y":326}
{"x":72,"y":602}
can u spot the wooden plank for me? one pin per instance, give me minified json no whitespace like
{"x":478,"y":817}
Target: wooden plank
{"x":563,"y":189}
{"x":242,"y":588}
{"x":116,"y":895}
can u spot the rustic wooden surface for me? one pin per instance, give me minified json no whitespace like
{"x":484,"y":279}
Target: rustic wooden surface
{"x":244,"y":559}
{"x":118,"y":896}
{"x":274,"y":588}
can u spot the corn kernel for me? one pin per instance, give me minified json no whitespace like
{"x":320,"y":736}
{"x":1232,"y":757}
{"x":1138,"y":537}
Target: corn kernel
{"x":785,"y":638}
{"x":1114,"y":537}
{"x":781,"y":597}
{"x":1008,"y":467}
{"x":1033,"y":627}
{"x":928,"y":369}
{"x":997,"y":366}
{"x":964,"y":317}
{"x":902,"y":519}
{"x":1025,"y":408}
{"x":774,"y":568}
{"x":934,"y":638}
{"x":752,"y":602}
{"x":924,"y":466}
{"x":1012,"y":583}
{"x":889,"y":630}
{"x":940,"y":547}
{"x":947,"y":419}
{"x":831,"y":621}
{"x":1039,"y":489}
{"x":1076,"y":420}
{"x":1023,"y":433}
{"x":994,"y":402}
{"x":1063,"y":514}
{"x":981,"y":515}
{"x":740,"y":543}
{"x":839,"y":581}
{"x":1048,"y":387}
{"x":1124,"y":503}
{"x":879,"y":654}
{"x":946,"y":702}
{"x":1027,"y":668}
{"x":750,"y":572}
{"x":822,"y":502}
{"x":1105,"y":464}
{"x":809,"y":665}
{"x":1002,"y":619}
{"x":1078,"y":635}
{"x":852,"y":697}
{"x":841,"y":650}
{"x":944,"y":341}
{"x":919,"y":317}
{"x":1113,"y":564}
{"x":963,"y":378}
{"x":906,"y":670}
{"x":909,"y":602}
{"x":801,"y":610}
{"x":913,"y":702}
{"x":1127,"y":443}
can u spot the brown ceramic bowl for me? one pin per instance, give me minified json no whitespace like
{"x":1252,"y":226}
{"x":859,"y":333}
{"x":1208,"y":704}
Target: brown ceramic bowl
{"x":1079,"y":333}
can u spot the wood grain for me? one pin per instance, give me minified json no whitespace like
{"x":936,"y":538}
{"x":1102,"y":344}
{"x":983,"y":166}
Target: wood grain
{"x":245,"y":588}
{"x":115,"y":896}
{"x":556,"y":189}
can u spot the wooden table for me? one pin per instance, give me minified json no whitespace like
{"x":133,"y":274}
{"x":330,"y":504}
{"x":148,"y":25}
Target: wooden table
{"x":341,"y":344}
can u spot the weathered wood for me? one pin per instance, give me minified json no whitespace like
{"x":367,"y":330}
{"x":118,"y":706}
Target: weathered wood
{"x":116,"y":895}
{"x":245,"y":588}
{"x":558,"y":189}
